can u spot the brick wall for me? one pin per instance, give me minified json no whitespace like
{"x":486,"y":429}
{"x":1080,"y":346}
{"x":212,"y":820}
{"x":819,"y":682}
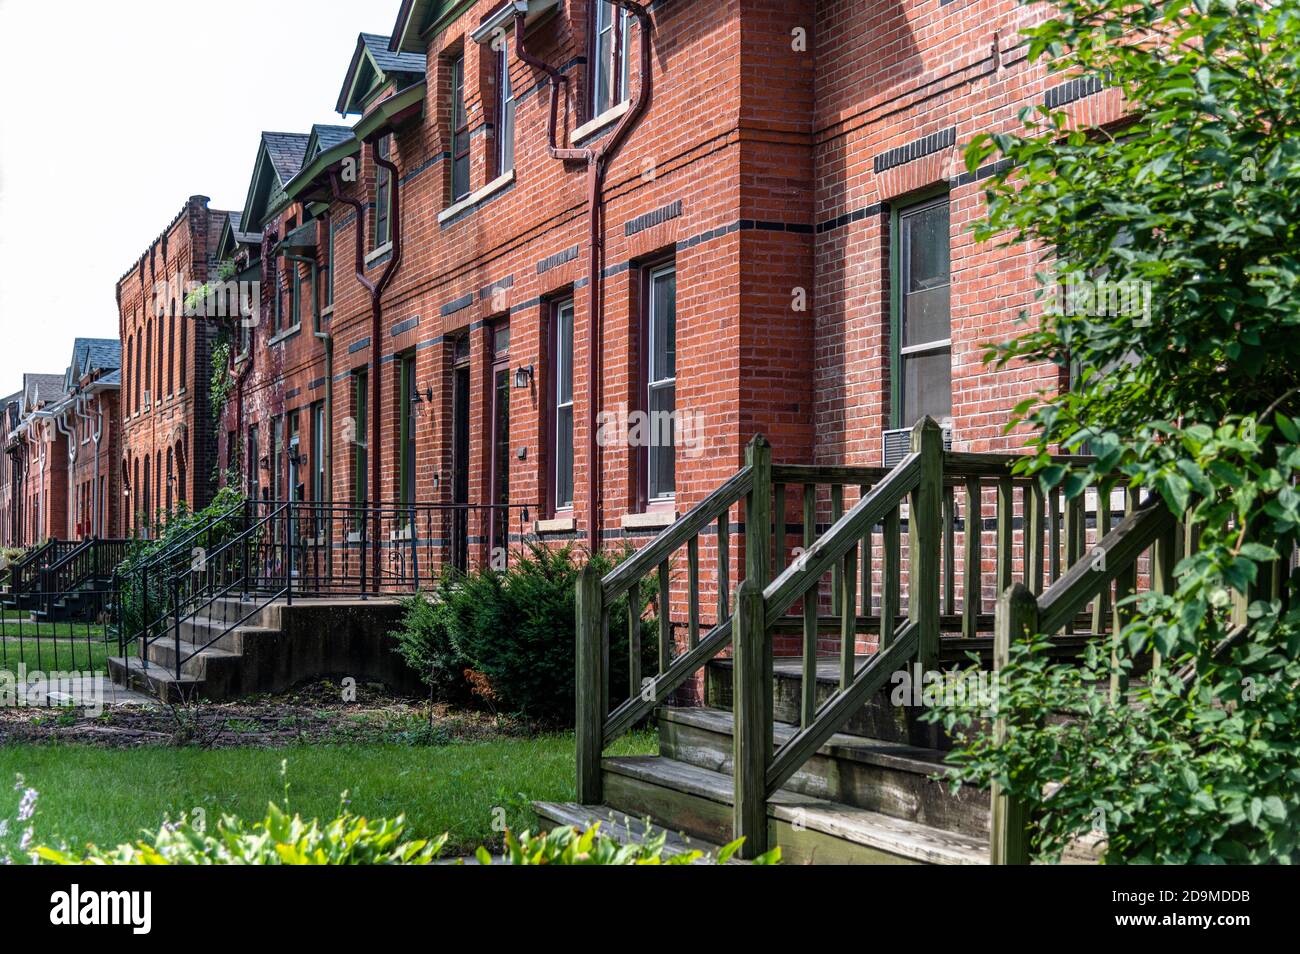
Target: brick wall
{"x":168,"y":451}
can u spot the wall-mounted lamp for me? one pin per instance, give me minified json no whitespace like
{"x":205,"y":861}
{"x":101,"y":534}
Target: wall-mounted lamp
{"x":523,"y":376}
{"x":421,"y":397}
{"x":264,"y":463}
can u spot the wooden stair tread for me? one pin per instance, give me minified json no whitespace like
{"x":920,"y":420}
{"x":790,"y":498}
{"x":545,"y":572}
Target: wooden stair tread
{"x":897,"y":755}
{"x":623,"y":828}
{"x":857,"y":825}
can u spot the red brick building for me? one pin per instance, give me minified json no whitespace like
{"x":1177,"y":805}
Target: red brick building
{"x":37,"y":463}
{"x":91,"y":427}
{"x":781,"y":246}
{"x":168,"y":451}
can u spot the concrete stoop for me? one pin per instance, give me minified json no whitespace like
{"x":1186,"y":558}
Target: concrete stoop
{"x":238,"y":648}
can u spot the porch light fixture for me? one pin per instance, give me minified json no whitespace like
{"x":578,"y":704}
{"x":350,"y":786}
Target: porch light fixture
{"x":421,"y":397}
{"x":523,"y":376}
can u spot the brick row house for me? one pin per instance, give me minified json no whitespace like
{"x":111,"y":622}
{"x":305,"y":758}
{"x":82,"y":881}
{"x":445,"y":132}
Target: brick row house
{"x":567,"y":258}
{"x":61,"y":436}
{"x":167,"y":454}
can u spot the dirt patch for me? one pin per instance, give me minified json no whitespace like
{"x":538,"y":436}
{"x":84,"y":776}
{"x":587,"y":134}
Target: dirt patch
{"x":318,"y":713}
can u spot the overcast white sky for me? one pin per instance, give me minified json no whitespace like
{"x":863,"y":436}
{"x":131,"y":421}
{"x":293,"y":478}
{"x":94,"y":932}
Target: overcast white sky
{"x":115,"y":113}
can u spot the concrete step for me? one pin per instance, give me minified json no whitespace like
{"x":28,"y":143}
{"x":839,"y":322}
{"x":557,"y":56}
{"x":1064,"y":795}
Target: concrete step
{"x":891,"y":778}
{"x":879,"y":718}
{"x":152,"y":680}
{"x":698,"y":801}
{"x":623,"y":828}
{"x":197,"y":660}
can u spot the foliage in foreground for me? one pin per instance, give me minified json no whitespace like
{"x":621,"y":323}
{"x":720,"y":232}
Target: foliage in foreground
{"x":506,"y":636}
{"x":1193,"y":211}
{"x":348,"y":839}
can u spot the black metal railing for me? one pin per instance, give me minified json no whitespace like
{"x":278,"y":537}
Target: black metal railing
{"x":283,"y":550}
{"x":77,"y":642}
{"x":24,"y":574}
{"x":89,"y":566}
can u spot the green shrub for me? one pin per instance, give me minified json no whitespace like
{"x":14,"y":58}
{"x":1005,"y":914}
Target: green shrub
{"x":275,"y":840}
{"x":514,"y":630}
{"x":135,"y":589}
{"x":570,"y":846}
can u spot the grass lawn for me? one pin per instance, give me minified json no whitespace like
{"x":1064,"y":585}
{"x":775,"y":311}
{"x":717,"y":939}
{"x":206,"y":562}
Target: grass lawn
{"x":48,"y":653}
{"x":106,"y":796}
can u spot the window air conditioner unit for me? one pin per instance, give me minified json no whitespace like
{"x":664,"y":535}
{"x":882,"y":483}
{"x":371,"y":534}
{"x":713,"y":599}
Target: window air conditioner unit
{"x":897,"y":444}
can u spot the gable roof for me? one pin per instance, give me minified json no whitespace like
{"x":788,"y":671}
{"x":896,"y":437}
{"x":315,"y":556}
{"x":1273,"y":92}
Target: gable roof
{"x":90,"y":355}
{"x":39,"y":389}
{"x":279,"y":157}
{"x":373,"y":65}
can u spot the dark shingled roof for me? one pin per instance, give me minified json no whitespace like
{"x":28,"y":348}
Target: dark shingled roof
{"x":42,"y":388}
{"x":286,"y":151}
{"x":97,"y":354}
{"x":331,"y":136}
{"x":391,"y":62}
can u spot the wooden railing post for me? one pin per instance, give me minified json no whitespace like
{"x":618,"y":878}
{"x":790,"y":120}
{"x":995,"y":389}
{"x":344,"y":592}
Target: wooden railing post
{"x":758,"y":547}
{"x":1016,"y":617}
{"x":752,"y":738}
{"x":590,"y":658}
{"x":923,"y":541}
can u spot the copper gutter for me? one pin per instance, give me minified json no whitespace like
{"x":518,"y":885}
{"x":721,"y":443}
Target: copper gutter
{"x":597,"y":160}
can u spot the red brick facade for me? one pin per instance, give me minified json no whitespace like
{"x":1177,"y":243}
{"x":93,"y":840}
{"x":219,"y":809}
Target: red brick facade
{"x":762,"y":193}
{"x":167,"y":452}
{"x":780,"y":140}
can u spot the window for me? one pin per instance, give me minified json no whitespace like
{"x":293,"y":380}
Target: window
{"x":254,"y":463}
{"x":459,"y":132}
{"x":505,"y":112}
{"x":609,"y":53}
{"x":562,"y":397}
{"x":171,"y":351}
{"x":185,"y":343}
{"x":406,"y":446}
{"x":360,"y":485}
{"x":277,"y":459}
{"x":318,"y":451}
{"x":661,"y":382}
{"x":383,"y":195}
{"x":923,"y":349}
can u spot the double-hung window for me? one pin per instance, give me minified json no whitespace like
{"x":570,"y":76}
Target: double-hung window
{"x":383,"y":196}
{"x":459,"y":132}
{"x":923,"y":349}
{"x":505,"y":114}
{"x":661,"y":382}
{"x":609,"y":53}
{"x":562,"y":422}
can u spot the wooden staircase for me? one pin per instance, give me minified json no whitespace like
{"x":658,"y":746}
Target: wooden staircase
{"x":818,"y":754}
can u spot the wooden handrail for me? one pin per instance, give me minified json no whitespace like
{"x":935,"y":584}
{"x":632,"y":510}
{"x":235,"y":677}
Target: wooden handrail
{"x":800,"y":576}
{"x":1114,"y":554}
{"x":628,"y":573}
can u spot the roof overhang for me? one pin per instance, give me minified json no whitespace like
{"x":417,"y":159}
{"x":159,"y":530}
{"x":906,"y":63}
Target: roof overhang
{"x":364,"y":79}
{"x":305,"y":184}
{"x":416,"y":19}
{"x":392,"y":112}
{"x":504,"y":18}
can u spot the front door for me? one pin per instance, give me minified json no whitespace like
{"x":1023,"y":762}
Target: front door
{"x":500,"y":516}
{"x":460,"y":462}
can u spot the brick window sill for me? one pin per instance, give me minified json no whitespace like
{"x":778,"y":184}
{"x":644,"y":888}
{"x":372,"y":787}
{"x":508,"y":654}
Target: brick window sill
{"x":474,"y":198}
{"x":655,"y":519}
{"x":379,"y":252}
{"x":287,"y":333}
{"x":554,"y":525}
{"x":592,"y":126}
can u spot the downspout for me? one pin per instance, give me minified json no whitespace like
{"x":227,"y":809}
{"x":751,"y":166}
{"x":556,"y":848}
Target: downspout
{"x":94,"y":481}
{"x":597,"y":160}
{"x":376,"y":290}
{"x":70,"y":499}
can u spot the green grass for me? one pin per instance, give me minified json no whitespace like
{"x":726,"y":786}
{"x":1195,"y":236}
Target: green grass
{"x":72,"y":654}
{"x":107,"y":796}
